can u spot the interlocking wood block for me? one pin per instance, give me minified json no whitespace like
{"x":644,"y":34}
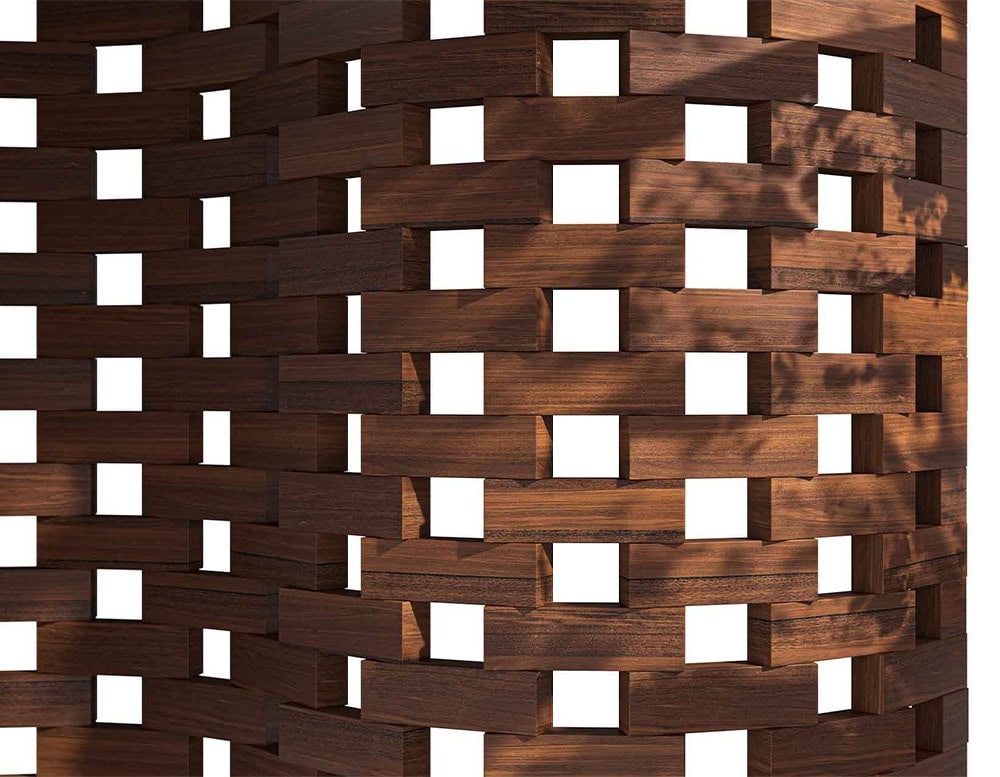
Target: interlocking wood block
{"x":313,"y":443}
{"x":943,"y":723}
{"x":798,"y":383}
{"x":118,"y":647}
{"x":35,"y":69}
{"x":580,"y":510}
{"x":110,"y":21}
{"x":719,"y":69}
{"x":904,"y":206}
{"x":192,"y":384}
{"x":47,"y":384}
{"x":44,"y":700}
{"x":47,"y":173}
{"x":563,"y":17}
{"x":941,"y":158}
{"x":210,"y":601}
{"x":356,"y":383}
{"x":858,"y":25}
{"x":941,"y":610}
{"x":830,"y":139}
{"x":79,"y":437}
{"x":584,"y":129}
{"x":287,"y":672}
{"x":202,"y":60}
{"x":338,"y":740}
{"x":383,"y":259}
{"x":305,"y":207}
{"x":895,"y":562}
{"x":893,"y":681}
{"x":718,"y":446}
{"x":783,"y":258}
{"x":579,"y":256}
{"x":885,"y":84}
{"x":79,"y":331}
{"x":48,"y":279}
{"x":941,"y":496}
{"x":313,"y":88}
{"x":110,"y":543}
{"x":246,"y":11}
{"x":717,"y":572}
{"x":355,"y":504}
{"x":832,"y":626}
{"x":457,"y":446}
{"x":943,"y":271}
{"x":45,"y":489}
{"x":886,"y":323}
{"x":584,"y":637}
{"x":257,"y":761}
{"x":907,"y":443}
{"x":424,"y":72}
{"x":119,"y":226}
{"x":217,"y":275}
{"x":937,"y":764}
{"x":735,"y":320}
{"x":517,"y":192}
{"x":212,"y":708}
{"x":292,"y":558}
{"x":583,"y":753}
{"x":281,"y":326}
{"x":207,"y":492}
{"x":345,"y":624}
{"x":830,"y":505}
{"x":719,"y":193}
{"x":842,"y":743}
{"x":717,"y":697}
{"x":343,"y":144}
{"x":457,"y":694}
{"x":112,"y":751}
{"x":46,"y":595}
{"x":443,"y":570}
{"x":209,"y":168}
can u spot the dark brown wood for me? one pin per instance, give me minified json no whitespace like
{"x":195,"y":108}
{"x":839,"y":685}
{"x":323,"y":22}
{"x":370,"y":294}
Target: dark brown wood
{"x":46,"y":595}
{"x":112,"y":751}
{"x":906,"y":443}
{"x":125,"y":543}
{"x":565,"y":17}
{"x":47,"y":384}
{"x":209,"y":493}
{"x":943,"y":723}
{"x":108,"y":21}
{"x":79,"y":437}
{"x":44,"y":700}
{"x":257,"y":761}
{"x":217,"y":275}
{"x":209,"y":168}
{"x":893,"y":324}
{"x":48,"y":279}
{"x":34,"y":69}
{"x":290,"y":209}
{"x":355,"y":383}
{"x":121,"y":648}
{"x":313,"y":88}
{"x":210,"y":600}
{"x":240,"y":383}
{"x":116,"y":226}
{"x":893,"y":681}
{"x":282,"y":326}
{"x":941,"y":158}
{"x":895,"y":562}
{"x":886,"y":84}
{"x":289,"y":558}
{"x":213,"y":708}
{"x":46,"y":489}
{"x":905,"y":206}
{"x":287,"y":672}
{"x":313,"y":443}
{"x":47,"y":173}
{"x":201,"y":60}
{"x":79,"y":331}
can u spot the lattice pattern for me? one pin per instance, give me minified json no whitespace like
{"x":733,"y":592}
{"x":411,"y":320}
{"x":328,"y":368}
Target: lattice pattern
{"x":290,"y":385}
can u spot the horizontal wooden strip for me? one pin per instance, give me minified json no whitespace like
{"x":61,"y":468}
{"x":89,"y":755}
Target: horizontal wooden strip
{"x":78,"y":331}
{"x":290,"y":209}
{"x":31,"y":174}
{"x":436,"y":570}
{"x":43,"y":700}
{"x":193,"y":384}
{"x":284,"y":557}
{"x":456,"y":695}
{"x":48,"y":279}
{"x":718,"y":697}
{"x":119,"y":226}
{"x":584,"y":637}
{"x":216,"y":58}
{"x":255,"y":760}
{"x":893,"y":324}
{"x":206,"y":168}
{"x":547,"y":383}
{"x":895,"y":562}
{"x":314,"y":88}
{"x":209,"y":493}
{"x":907,"y":443}
{"x":281,"y":326}
{"x":210,"y":601}
{"x":582,"y":16}
{"x":35,"y":69}
{"x":113,"y":751}
{"x":111,"y":542}
{"x":893,"y":681}
{"x":885,"y":84}
{"x":287,"y":672}
{"x":117,"y":647}
{"x":217,"y":275}
{"x":718,"y":446}
{"x":798,"y":383}
{"x":295,"y":441}
{"x":48,"y":384}
{"x":581,"y":256}
{"x":46,"y":489}
{"x":344,"y":623}
{"x":107,"y":21}
{"x":578,"y":510}
{"x":721,"y":69}
{"x":79,"y":437}
{"x":930,"y":764}
{"x":356,"y":383}
{"x":943,"y":723}
{"x":212,"y":708}
{"x":905,"y":206}
{"x":46,"y":595}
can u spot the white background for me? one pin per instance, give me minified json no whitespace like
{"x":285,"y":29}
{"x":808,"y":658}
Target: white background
{"x":585,"y":320}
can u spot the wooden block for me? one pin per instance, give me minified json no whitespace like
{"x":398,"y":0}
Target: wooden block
{"x":943,"y":271}
{"x":212,"y":708}
{"x":455,"y":694}
{"x":895,"y":562}
{"x":296,"y":441}
{"x":717,"y":697}
{"x":112,"y":751}
{"x":942,"y":158}
{"x":689,"y":65}
{"x":354,"y":504}
{"x":305,"y":207}
{"x":356,"y":383}
{"x":48,"y":384}
{"x":78,"y":331}
{"x":718,"y":572}
{"x":718,"y":446}
{"x":240,"y":383}
{"x":45,"y":489}
{"x":345,"y":624}
{"x":423,"y":72}
{"x":941,"y":42}
{"x":289,"y":558}
{"x":937,"y":764}
{"x":336,"y":739}
{"x":907,"y":443}
{"x":582,"y":256}
{"x":37,"y":69}
{"x":208,"y":168}
{"x":456,"y":446}
{"x":714,"y":194}
{"x":941,"y":496}
{"x":943,"y":723}
{"x":47,"y":173}
{"x":443,"y":570}
{"x":584,"y":129}
{"x":208,"y":492}
{"x":830,"y":505}
{"x":210,"y":601}
{"x":287,"y":672}
{"x":119,"y":543}
{"x":44,"y":700}
{"x":582,"y":16}
{"x":280,"y":326}
{"x":799,"y":383}
{"x":580,"y":510}
{"x":256,"y":761}
{"x":384,"y":259}
{"x":885,"y":84}
{"x":48,"y":279}
{"x":46,"y":595}
{"x":733,"y":320}
{"x":216,"y":275}
{"x":783,"y":258}
{"x":342,"y":144}
{"x":107,"y":21}
{"x":905,"y":206}
{"x":246,"y":11}
{"x":941,"y":610}
{"x":118,"y":226}
{"x":832,"y":626}
{"x":118,"y":647}
{"x":893,"y":681}
{"x":80,"y":437}
{"x":469,"y":195}
{"x":842,"y":743}
{"x":201,"y":60}
{"x":888,"y":323}
{"x":313,"y":88}
{"x":584,"y":637}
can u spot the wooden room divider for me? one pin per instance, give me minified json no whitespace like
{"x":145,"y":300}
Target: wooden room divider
{"x":291,"y":384}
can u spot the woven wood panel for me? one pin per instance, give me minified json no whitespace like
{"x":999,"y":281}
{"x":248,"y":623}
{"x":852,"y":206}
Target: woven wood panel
{"x":290,"y":385}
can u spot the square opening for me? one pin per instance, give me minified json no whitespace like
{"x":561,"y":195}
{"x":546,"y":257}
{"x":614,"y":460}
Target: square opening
{"x":457,"y":135}
{"x":18,"y":639}
{"x":834,"y":564}
{"x":18,"y":22}
{"x":457,"y":631}
{"x":834,"y":685}
{"x":834,"y":315}
{"x":834,"y":443}
{"x":19,"y":324}
{"x":585,"y":319}
{"x":585,"y":572}
{"x":835,"y":202}
{"x":18,"y":227}
{"x":353,"y":442}
{"x":119,"y":594}
{"x":214,"y":14}
{"x":354,"y":323}
{"x":119,"y":384}
{"x":354,"y":85}
{"x":215,"y":757}
{"x":353,"y":562}
{"x":585,"y":68}
{"x":18,"y":542}
{"x":215,"y":546}
{"x":18,"y":436}
{"x":215,"y":653}
{"x":834,"y":76}
{"x":585,"y":699}
{"x":457,"y":383}
{"x":119,"y":69}
{"x":215,"y":325}
{"x":715,"y":632}
{"x":457,"y":259}
{"x":18,"y":745}
{"x":216,"y":112}
{"x":585,"y":194}
{"x":215,"y":222}
{"x":456,"y":752}
{"x":354,"y":204}
{"x":715,"y":508}
{"x":119,"y":489}
{"x":715,"y":383}
{"x":455,"y":19}
{"x":18,"y":122}
{"x":119,"y":279}
{"x":711,"y":753}
{"x":457,"y":507}
{"x":585,"y":446}
{"x":715,"y":258}
{"x":715,"y":133}
{"x":215,"y":427}
{"x":119,"y":174}
{"x":119,"y":699}
{"x":354,"y":681}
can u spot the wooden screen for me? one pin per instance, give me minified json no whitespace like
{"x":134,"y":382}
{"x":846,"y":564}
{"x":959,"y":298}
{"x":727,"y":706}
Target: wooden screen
{"x":293,"y":272}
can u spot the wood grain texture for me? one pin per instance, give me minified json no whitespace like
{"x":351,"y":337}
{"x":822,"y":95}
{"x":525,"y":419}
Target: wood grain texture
{"x":46,"y":489}
{"x":283,"y":326}
{"x":104,"y":21}
{"x":294,"y":441}
{"x":561,"y":17}
{"x":210,"y":600}
{"x":79,"y":331}
{"x":112,"y":751}
{"x":886,"y":84}
{"x":35,"y":69}
{"x":119,"y":543}
{"x":302,"y":91}
{"x":47,"y":174}
{"x":289,"y":558}
{"x":895,"y":562}
{"x":48,"y":384}
{"x":208,"y":492}
{"x":941,"y":158}
{"x":289,"y":209}
{"x":892,"y":324}
{"x":201,"y":60}
{"x":46,"y":595}
{"x":216,"y":275}
{"x":191,"y":384}
{"x":907,"y":443}
{"x":930,"y":764}
{"x":44,"y":700}
{"x":48,"y":279}
{"x":118,"y":226}
{"x":943,"y":723}
{"x":118,"y":647}
{"x":905,"y":206}
{"x":79,"y":437}
{"x":287,"y":672}
{"x":941,"y":610}
{"x":255,"y":761}
{"x":355,"y":383}
{"x":893,"y":681}
{"x":209,"y":168}
{"x":208,"y":707}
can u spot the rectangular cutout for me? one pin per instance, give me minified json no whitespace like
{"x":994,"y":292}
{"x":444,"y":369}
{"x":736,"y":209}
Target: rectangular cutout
{"x":715,"y":508}
{"x":354,"y":204}
{"x":585,"y":68}
{"x":834,"y":443}
{"x":715,"y":632}
{"x":215,"y":426}
{"x":216,"y":222}
{"x":835,"y":202}
{"x":585,"y":320}
{"x":119,"y":174}
{"x":455,"y":19}
{"x":715,"y":383}
{"x":215,"y":652}
{"x":354,"y":85}
{"x":585,"y":699}
{"x":834,"y":75}
{"x":585,"y":194}
{"x":119,"y":384}
{"x":715,"y":258}
{"x":711,"y":753}
{"x":119,"y":594}
{"x":457,"y":507}
{"x":834,"y":680}
{"x":585,"y":446}
{"x":457,"y":259}
{"x":585,"y":572}
{"x":834,"y":323}
{"x":215,"y":114}
{"x":216,"y":338}
{"x":457,"y":631}
{"x":457,"y":383}
{"x":119,"y":699}
{"x":119,"y":69}
{"x":18,"y":639}
{"x":18,"y":227}
{"x":18,"y":542}
{"x":119,"y":279}
{"x":18,"y":122}
{"x":119,"y":489}
{"x":454,"y":751}
{"x":715,"y":133}
{"x":353,"y":562}
{"x":834,"y":564}
{"x":215,"y":546}
{"x":457,"y":135}
{"x":354,"y":681}
{"x":18,"y":438}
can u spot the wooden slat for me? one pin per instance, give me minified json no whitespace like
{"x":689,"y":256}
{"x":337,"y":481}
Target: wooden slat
{"x":47,"y":384}
{"x":212,"y":708}
{"x":46,"y":595}
{"x":109,"y":21}
{"x":110,"y":647}
{"x":257,"y":761}
{"x":79,"y":331}
{"x":941,"y":609}
{"x":209,"y":493}
{"x":209,"y":168}
{"x":943,"y":723}
{"x":355,"y":383}
{"x":892,"y":681}
{"x":942,"y":158}
{"x":210,"y":601}
{"x":906,"y":443}
{"x":937,"y":764}
{"x":892,"y":324}
{"x":217,"y":275}
{"x":192,"y":384}
{"x":895,"y":562}
{"x":282,"y":326}
{"x":79,"y":437}
{"x":116,"y":226}
{"x":111,"y":542}
{"x":201,"y":60}
{"x":44,"y":700}
{"x":46,"y":489}
{"x":35,"y":69}
{"x":583,"y":16}
{"x":290,"y":209}
{"x":287,"y":672}
{"x":295,"y":441}
{"x":112,"y":751}
{"x":48,"y":279}
{"x":289,"y":558}
{"x":885,"y":84}
{"x":313,"y":88}
{"x":29,"y":174}
{"x":904,"y":206}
